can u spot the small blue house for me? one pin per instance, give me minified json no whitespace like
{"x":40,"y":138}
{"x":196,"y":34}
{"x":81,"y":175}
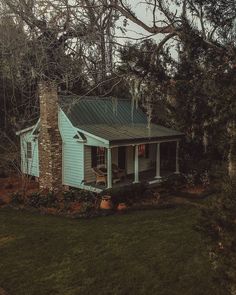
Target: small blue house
{"x":97,"y":136}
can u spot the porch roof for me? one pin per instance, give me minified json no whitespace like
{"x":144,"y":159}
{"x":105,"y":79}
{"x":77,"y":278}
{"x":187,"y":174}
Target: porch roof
{"x":122,"y":134}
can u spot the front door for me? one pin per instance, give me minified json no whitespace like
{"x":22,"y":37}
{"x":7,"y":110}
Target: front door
{"x":122,"y":157}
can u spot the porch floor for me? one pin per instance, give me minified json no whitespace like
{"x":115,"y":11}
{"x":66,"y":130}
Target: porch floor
{"x":144,"y":176}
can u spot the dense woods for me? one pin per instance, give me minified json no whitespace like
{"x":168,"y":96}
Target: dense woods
{"x":182,"y":71}
{"x":186,"y":80}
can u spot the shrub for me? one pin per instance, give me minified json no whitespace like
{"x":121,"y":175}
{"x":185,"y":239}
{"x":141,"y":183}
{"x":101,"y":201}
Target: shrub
{"x":79,"y":195}
{"x":198,"y":172}
{"x":218,"y":227}
{"x":174,"y":181}
{"x":3,"y":173}
{"x":198,"y":178}
{"x":190,"y":179}
{"x":17,"y":199}
{"x":34,"y":200}
{"x":126,"y":194}
{"x":9,"y":186}
{"x":87,"y":199}
{"x":69,"y":196}
{"x":87,"y":207}
{"x":49,"y":200}
{"x":204,"y":178}
{"x":37,"y":200}
{"x":218,"y":171}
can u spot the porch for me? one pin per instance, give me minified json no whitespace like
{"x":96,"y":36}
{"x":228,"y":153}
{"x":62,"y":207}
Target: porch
{"x":145,"y":176}
{"x":140,"y":163}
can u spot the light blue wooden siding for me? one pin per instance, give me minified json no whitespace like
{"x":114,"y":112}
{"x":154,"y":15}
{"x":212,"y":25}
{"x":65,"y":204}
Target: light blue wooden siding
{"x":92,"y":141}
{"x":29,"y":166}
{"x":72,"y":153}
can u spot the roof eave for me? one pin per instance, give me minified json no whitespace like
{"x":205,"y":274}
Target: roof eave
{"x":25,"y":130}
{"x":145,"y":140}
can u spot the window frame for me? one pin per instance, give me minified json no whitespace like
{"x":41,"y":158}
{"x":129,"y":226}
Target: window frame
{"x":29,"y":153}
{"x":101,"y":156}
{"x":142,"y":150}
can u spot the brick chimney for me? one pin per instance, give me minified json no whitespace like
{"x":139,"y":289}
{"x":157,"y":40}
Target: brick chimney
{"x":50,"y":143}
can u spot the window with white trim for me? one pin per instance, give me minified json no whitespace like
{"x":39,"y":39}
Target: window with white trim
{"x":101,"y":156}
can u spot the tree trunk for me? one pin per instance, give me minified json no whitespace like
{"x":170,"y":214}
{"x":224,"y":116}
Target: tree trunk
{"x":103,"y":56}
{"x":232,"y":152}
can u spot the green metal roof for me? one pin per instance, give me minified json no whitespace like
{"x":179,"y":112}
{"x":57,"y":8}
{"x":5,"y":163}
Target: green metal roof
{"x":93,"y":110}
{"x":114,"y":120}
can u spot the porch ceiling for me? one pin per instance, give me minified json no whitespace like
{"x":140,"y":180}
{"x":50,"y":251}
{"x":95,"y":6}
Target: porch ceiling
{"x":132,"y":133}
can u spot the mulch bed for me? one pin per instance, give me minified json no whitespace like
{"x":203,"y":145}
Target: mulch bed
{"x":15,"y":183}
{"x":162,"y":198}
{"x":195,"y":194}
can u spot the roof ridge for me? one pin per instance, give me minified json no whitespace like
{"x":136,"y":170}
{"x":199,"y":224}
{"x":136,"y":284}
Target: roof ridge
{"x":92,"y":97}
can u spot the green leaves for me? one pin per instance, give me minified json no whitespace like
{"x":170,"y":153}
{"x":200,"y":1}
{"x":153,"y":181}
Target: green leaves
{"x":218,"y":227}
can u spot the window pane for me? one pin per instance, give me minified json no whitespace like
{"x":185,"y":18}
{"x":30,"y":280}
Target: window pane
{"x":101,"y":156}
{"x":29,"y":150}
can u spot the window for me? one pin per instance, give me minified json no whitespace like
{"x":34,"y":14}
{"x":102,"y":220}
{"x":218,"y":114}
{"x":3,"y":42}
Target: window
{"x":101,"y":156}
{"x":29,"y":150}
{"x":143,"y":150}
{"x":98,"y":156}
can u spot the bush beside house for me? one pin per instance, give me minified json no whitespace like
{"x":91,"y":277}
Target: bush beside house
{"x":84,"y":203}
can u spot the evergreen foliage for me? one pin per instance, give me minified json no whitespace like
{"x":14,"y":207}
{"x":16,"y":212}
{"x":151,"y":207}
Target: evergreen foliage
{"x":218,"y":227}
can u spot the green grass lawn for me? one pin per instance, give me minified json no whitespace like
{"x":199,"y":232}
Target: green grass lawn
{"x":145,"y":252}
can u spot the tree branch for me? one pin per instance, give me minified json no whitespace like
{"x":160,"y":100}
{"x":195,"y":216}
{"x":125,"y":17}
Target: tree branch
{"x":129,"y":15}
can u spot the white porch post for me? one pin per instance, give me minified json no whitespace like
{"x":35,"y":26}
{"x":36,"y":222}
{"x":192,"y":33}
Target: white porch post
{"x":177,"y":158}
{"x":136,"y":168}
{"x":158,"y":163}
{"x":109,"y":168}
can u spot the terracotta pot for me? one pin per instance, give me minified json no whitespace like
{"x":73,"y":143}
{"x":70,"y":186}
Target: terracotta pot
{"x":106,"y":203}
{"x":121,"y":206}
